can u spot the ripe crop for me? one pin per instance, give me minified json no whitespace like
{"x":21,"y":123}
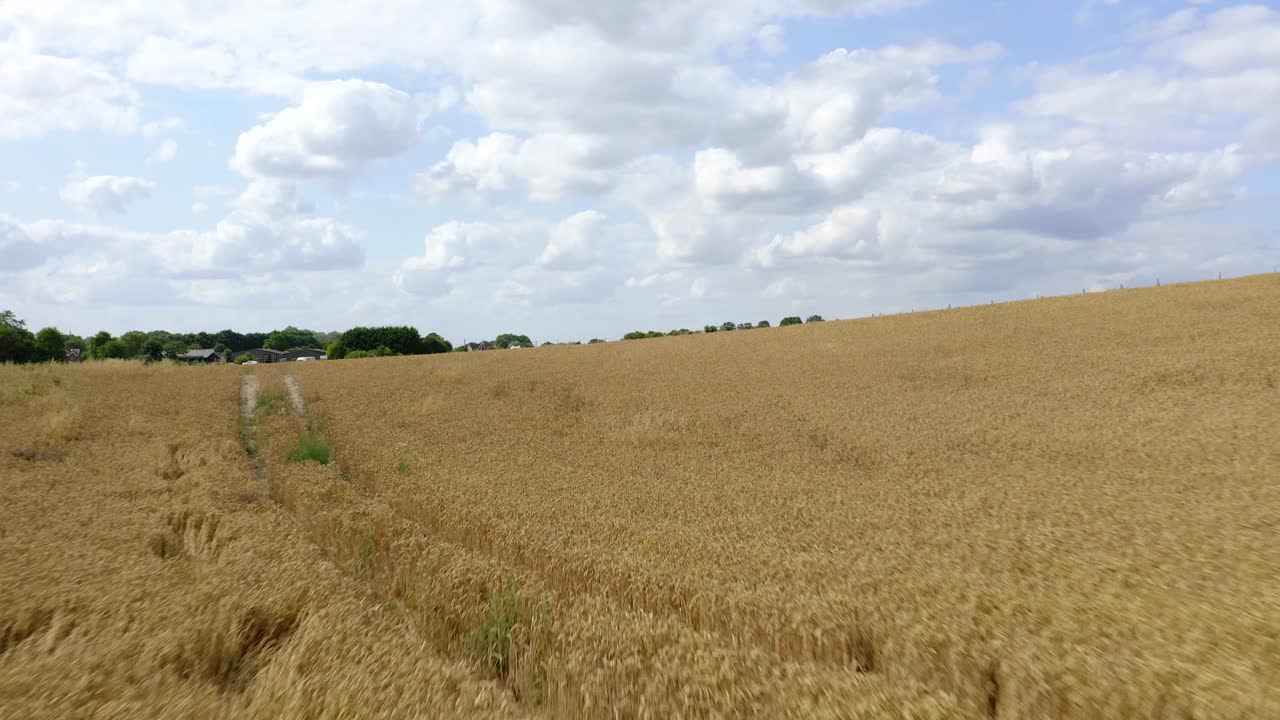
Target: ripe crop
{"x":1053,"y":508}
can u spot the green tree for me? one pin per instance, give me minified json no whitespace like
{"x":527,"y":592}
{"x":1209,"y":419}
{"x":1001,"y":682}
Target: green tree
{"x":116,"y":349}
{"x":51,"y":345}
{"x":133,"y":341}
{"x":402,"y":340}
{"x":790,"y":320}
{"x":9,"y":319}
{"x":507,"y":340}
{"x":595,"y":341}
{"x":744,"y":326}
{"x":635,"y":335}
{"x":709,"y":328}
{"x":433,"y":343}
{"x":336,"y":350}
{"x":152,"y":350}
{"x":763,"y":324}
{"x":98,"y":344}
{"x":727,"y":326}
{"x":17,"y":344}
{"x":814,"y":318}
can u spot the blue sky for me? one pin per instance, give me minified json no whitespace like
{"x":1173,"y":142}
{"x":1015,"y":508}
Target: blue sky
{"x":570,"y":170}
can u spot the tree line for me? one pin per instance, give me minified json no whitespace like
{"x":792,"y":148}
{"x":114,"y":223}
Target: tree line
{"x":20,"y":345}
{"x":727,"y":326}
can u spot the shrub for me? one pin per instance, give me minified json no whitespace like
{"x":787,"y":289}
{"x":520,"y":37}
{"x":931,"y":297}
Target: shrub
{"x":744,"y":326}
{"x":763,"y":324}
{"x":727,"y":326}
{"x":709,"y":328}
{"x":814,"y":318}
{"x":790,"y":320}
{"x":595,"y":341}
{"x":244,"y":358}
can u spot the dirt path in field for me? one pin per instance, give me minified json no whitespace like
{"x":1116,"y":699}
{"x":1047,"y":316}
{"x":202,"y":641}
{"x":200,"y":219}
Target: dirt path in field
{"x":249,"y":429}
{"x":248,"y":394}
{"x":295,"y":395}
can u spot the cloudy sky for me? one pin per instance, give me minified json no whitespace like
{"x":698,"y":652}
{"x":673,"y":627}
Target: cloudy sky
{"x":575,"y":168}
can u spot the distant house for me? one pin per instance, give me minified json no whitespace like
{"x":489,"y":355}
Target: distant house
{"x":486,"y":345}
{"x":298,"y":353}
{"x":204,"y":355}
{"x":264,"y":355}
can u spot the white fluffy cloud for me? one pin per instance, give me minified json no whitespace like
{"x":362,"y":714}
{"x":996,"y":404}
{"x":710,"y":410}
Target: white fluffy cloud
{"x":572,"y":242}
{"x":43,"y":93}
{"x":456,"y":246}
{"x":338,"y":129}
{"x":167,"y":150}
{"x":106,"y":193}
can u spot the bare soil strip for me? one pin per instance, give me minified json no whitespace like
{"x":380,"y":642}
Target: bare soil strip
{"x":295,"y":395}
{"x":249,"y":430}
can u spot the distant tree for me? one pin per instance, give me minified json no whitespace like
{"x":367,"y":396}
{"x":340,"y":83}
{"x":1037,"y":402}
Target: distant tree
{"x":790,"y":320}
{"x":133,"y":341}
{"x":635,"y":335}
{"x":116,"y":349}
{"x":9,"y":319}
{"x":336,"y":350}
{"x":292,"y":337}
{"x":152,"y":350}
{"x":174,"y":348}
{"x":51,"y":345}
{"x":727,"y":326}
{"x":231,"y":340}
{"x":507,"y":340}
{"x":814,"y":318}
{"x":98,"y":344}
{"x":433,"y":343}
{"x":744,"y":326}
{"x":595,"y":341}
{"x":401,"y":340}
{"x":17,"y":344}
{"x":681,"y":331}
{"x":709,"y":328}
{"x":763,"y":324}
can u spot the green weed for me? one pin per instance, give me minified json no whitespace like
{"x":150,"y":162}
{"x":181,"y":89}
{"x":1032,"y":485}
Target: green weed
{"x":310,"y":447}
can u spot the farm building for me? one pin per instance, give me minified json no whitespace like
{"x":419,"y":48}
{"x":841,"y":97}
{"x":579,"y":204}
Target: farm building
{"x":264,"y":355}
{"x":298,"y":353}
{"x":204,"y":355}
{"x":486,"y":345}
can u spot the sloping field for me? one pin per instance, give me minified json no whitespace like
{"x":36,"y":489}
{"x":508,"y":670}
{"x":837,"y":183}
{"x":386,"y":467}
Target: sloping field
{"x":1057,"y":508}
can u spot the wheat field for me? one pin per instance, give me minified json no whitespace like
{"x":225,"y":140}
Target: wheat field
{"x":1057,"y":508}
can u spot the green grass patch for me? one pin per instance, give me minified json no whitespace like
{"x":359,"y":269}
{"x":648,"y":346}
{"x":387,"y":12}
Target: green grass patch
{"x":310,"y":447}
{"x":269,"y":398}
{"x":402,"y":466}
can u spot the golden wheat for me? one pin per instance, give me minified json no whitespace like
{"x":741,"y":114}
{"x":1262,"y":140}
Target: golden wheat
{"x":1054,"y":508}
